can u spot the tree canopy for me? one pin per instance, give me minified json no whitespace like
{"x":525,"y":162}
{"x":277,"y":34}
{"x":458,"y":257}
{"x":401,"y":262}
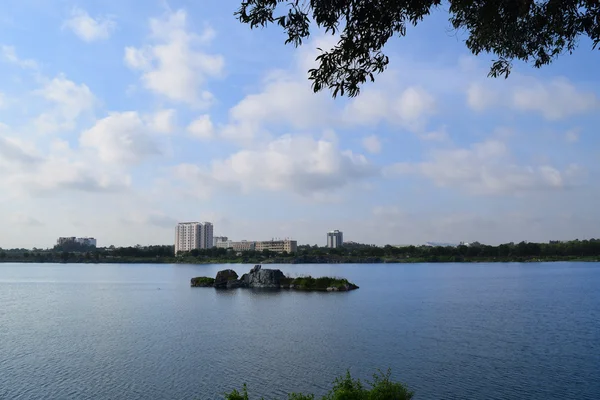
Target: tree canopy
{"x":535,"y":31}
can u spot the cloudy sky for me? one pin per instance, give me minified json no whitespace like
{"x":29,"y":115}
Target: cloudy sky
{"x":118,"y":121}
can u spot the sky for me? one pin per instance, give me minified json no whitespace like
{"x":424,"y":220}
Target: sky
{"x":117,"y":122}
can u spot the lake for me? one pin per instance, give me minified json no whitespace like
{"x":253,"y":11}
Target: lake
{"x":449,"y":331}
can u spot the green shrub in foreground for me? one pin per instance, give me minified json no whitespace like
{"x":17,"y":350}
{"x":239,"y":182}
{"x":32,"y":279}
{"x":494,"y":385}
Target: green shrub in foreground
{"x":346,"y":388}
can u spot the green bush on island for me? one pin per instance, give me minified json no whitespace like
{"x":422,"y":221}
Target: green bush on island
{"x":203,"y":281}
{"x":322,"y":283}
{"x":347,"y":388}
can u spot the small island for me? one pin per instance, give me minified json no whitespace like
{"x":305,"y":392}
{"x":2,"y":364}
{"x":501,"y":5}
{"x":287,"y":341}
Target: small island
{"x":272,"y":279}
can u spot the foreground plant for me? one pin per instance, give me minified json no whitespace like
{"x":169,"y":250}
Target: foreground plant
{"x":347,"y":388}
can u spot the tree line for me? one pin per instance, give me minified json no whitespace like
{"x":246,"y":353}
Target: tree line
{"x":350,"y":252}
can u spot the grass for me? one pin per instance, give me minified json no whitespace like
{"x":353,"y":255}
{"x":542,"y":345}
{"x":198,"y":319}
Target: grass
{"x":382,"y":387}
{"x":319,"y":284}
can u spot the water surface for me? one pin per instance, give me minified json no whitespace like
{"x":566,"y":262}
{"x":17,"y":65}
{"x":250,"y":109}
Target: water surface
{"x":450,"y":331}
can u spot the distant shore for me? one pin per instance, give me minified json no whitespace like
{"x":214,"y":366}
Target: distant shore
{"x":349,"y":253}
{"x":299,"y":260}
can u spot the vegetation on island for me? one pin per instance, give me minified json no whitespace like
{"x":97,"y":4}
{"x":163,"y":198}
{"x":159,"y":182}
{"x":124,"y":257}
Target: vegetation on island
{"x":574,"y":250}
{"x":303,"y":283}
{"x":536,"y":31}
{"x":382,"y":387}
{"x":316,"y":284}
{"x":202,"y":281}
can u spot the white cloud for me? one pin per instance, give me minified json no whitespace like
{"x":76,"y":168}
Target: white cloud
{"x":69,"y":101}
{"x":154,"y":218}
{"x":173,"y":67}
{"x":285,"y":101}
{"x":408,"y":109}
{"x":299,"y":164}
{"x":479,"y":98}
{"x":372,"y":144}
{"x":16,"y":155}
{"x":486,"y":168}
{"x":26,"y":220}
{"x":439,"y":135}
{"x":9,"y":53}
{"x":201,"y":127}
{"x":24,"y":169}
{"x":572,"y":136}
{"x":87,"y":28}
{"x":120,"y":138}
{"x":163,"y":121}
{"x":554,"y":99}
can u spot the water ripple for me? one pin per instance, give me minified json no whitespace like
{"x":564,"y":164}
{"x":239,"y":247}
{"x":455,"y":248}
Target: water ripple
{"x":450,"y":332}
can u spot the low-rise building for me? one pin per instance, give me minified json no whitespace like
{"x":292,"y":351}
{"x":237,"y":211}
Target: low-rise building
{"x":278,"y":246}
{"x":217,"y":239}
{"x":86,"y":241}
{"x":83,"y":241}
{"x":243,"y":245}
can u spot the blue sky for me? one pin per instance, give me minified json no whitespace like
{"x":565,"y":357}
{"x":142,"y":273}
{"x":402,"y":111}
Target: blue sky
{"x":118,"y":121}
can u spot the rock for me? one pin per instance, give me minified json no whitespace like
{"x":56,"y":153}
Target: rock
{"x":225,"y":276}
{"x":236,"y":283}
{"x":263,"y":278}
{"x":255,"y":269}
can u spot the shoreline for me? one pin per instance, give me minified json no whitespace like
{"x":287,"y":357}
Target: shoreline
{"x":296,"y":262}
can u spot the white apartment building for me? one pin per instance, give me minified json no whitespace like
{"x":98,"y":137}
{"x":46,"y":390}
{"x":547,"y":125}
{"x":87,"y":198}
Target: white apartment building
{"x":335,"y":239}
{"x":193,"y":235}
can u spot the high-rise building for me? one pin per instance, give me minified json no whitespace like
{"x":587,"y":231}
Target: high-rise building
{"x":193,"y":235}
{"x":335,"y":239}
{"x":206,"y":235}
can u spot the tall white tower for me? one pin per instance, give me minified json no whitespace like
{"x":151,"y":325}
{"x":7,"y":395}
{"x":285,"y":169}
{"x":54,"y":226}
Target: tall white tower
{"x":335,"y":239}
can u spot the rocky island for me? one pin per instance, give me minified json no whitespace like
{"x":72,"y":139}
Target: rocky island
{"x":272,"y":279}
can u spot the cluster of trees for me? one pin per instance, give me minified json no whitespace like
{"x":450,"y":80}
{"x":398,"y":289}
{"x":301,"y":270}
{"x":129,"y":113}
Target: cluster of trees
{"x":371,"y":253}
{"x":349,"y":253}
{"x":474,"y":251}
{"x":162,"y":253}
{"x":346,"y":388}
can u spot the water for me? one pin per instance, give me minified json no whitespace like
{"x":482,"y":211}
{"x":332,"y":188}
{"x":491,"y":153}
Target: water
{"x":450,"y":331}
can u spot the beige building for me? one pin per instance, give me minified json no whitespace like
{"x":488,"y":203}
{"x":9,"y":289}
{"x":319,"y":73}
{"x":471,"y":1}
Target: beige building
{"x":278,"y":246}
{"x":243,"y":245}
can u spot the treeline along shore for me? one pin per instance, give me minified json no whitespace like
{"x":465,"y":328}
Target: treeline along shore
{"x":574,"y":250}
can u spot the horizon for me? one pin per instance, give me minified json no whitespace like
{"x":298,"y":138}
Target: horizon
{"x":118,"y":121}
